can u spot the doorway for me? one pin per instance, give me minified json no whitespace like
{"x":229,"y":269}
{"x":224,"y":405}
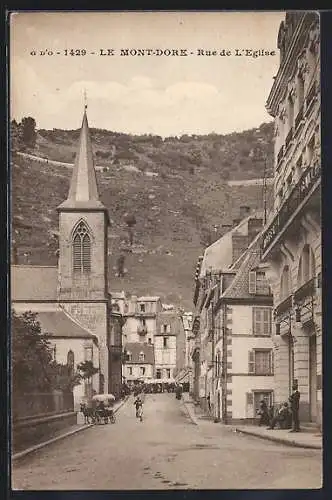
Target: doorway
{"x":313,"y":378}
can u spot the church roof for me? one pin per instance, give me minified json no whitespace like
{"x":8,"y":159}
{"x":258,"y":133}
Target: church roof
{"x":33,"y":283}
{"x":59,"y":324}
{"x":83,"y":190}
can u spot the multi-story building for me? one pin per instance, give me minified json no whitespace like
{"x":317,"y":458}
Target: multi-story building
{"x":184,"y":373}
{"x":139,"y":364}
{"x":140,"y":314}
{"x":229,"y":381}
{"x":242,"y":370}
{"x":291,"y":245}
{"x":169,"y":330}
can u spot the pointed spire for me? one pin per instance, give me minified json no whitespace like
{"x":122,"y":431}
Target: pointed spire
{"x":83,"y":190}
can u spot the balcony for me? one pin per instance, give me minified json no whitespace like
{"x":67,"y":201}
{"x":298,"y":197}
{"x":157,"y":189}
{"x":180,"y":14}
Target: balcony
{"x":289,"y":138}
{"x":298,"y":194}
{"x":283,"y":306}
{"x":280,"y":156}
{"x":305,"y":291}
{"x":299,"y":118}
{"x":310,"y":99}
{"x":142,"y":330}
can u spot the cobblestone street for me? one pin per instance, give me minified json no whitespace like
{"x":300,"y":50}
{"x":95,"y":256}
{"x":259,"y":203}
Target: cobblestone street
{"x":165,"y":451}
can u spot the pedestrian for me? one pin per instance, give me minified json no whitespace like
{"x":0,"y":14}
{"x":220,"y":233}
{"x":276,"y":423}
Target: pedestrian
{"x":281,"y":417}
{"x":209,"y":402}
{"x":294,"y":400}
{"x":263,"y":413}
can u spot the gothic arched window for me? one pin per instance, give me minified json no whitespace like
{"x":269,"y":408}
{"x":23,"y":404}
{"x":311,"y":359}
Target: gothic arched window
{"x":81,"y":249}
{"x":70,"y":360}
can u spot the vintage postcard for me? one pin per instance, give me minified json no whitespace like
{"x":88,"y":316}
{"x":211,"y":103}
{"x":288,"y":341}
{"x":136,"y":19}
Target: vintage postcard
{"x":166,"y":329}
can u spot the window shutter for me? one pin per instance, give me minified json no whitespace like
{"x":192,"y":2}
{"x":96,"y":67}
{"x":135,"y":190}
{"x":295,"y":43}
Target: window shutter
{"x":252,"y":282}
{"x":267,"y":322}
{"x":272,"y":362}
{"x":251,"y":362}
{"x":249,"y":398}
{"x":257,"y":320}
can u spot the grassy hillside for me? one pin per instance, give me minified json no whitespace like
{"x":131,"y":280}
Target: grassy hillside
{"x":175,"y":211}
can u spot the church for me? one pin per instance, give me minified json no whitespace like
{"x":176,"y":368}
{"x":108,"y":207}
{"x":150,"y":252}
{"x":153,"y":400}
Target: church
{"x":72,"y":299}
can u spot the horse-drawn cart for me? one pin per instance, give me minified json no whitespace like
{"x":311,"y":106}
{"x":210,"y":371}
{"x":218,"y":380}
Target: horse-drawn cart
{"x":99,"y":410}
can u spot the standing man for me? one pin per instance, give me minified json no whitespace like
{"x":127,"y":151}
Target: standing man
{"x":294,"y":400}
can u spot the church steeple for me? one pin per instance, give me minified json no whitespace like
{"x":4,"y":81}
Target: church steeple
{"x":83,"y":190}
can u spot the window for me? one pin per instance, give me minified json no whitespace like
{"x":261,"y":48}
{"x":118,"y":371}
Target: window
{"x":149,"y":340}
{"x":259,"y":396}
{"x":53,"y":353}
{"x":260,"y":362}
{"x":261,"y":321}
{"x":142,"y":370}
{"x":129,"y":356}
{"x":285,"y":283}
{"x":158,"y":373}
{"x":81,"y":250}
{"x":70,"y":359}
{"x":130,"y":370}
{"x":141,"y":357}
{"x":168,"y":373}
{"x":165,"y":329}
{"x":165,"y":339}
{"x":143,"y":322}
{"x":142,"y":308}
{"x":258,"y":283}
{"x":87,"y":353}
{"x":307,"y":266}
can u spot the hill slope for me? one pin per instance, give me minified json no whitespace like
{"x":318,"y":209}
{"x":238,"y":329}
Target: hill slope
{"x":175,"y":210}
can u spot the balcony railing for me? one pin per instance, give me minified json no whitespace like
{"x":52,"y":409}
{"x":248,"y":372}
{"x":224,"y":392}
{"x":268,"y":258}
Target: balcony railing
{"x":306,"y":290}
{"x":289,"y":138}
{"x":310,"y":97}
{"x":283,"y":306}
{"x":299,"y":118}
{"x":280,"y":155}
{"x":309,"y":177}
{"x":142,"y":330}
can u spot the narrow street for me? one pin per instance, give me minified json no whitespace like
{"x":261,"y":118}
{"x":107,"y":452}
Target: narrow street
{"x":165,"y":451}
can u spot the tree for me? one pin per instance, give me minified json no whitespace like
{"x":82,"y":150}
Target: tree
{"x":32,"y":369}
{"x":15,"y":136}
{"x":130,"y":220}
{"x":86,"y":371}
{"x":29,"y":133}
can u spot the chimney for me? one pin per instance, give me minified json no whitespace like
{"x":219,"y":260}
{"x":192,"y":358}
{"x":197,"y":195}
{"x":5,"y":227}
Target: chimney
{"x":255,"y":225}
{"x":226,"y":227}
{"x":239,"y":245}
{"x":244,"y":211}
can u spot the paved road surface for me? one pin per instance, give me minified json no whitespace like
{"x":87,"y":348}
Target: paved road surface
{"x":165,"y":452}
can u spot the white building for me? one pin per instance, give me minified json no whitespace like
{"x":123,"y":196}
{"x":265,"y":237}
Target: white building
{"x":139,"y":365}
{"x":292,"y":238}
{"x":165,"y":344}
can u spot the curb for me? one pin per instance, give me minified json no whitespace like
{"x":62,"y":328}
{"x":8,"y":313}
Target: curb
{"x":286,"y":442}
{"x":36,"y":447}
{"x":189,"y":413}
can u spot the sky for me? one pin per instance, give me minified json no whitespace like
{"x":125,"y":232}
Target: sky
{"x":150,"y":94}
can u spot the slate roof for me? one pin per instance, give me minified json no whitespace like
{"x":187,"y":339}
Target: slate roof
{"x":219,"y":255}
{"x":83,"y":190}
{"x":135,"y":348}
{"x":239,"y":288}
{"x":59,"y":324}
{"x":33,"y":283}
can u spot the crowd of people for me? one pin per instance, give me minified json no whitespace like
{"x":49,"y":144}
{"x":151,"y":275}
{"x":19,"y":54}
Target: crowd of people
{"x":285,"y":417}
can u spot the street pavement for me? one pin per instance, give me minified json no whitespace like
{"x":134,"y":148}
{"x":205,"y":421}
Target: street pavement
{"x":165,"y":451}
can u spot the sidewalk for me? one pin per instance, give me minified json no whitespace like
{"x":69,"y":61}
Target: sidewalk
{"x":80,"y":426}
{"x":312,"y":440}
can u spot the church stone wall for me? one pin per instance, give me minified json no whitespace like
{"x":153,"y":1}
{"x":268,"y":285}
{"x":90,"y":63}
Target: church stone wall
{"x":93,"y":286}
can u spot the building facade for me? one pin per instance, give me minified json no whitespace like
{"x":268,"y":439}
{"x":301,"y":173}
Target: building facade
{"x":166,"y":344}
{"x":291,"y":245}
{"x":139,"y":364}
{"x":233,"y":351}
{"x":72,"y":299}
